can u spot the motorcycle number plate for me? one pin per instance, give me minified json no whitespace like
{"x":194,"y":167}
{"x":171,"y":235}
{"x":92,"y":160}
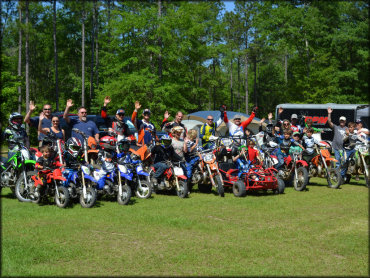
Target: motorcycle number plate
{"x":213,"y":167}
{"x":139,"y":168}
{"x":178,"y":171}
{"x":122,"y":168}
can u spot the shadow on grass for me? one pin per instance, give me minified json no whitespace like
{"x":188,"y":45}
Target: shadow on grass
{"x":10,"y":195}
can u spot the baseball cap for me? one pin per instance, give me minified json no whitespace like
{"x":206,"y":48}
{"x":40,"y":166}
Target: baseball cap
{"x":296,"y":133}
{"x":294,"y":116}
{"x":342,"y":118}
{"x":146,"y":111}
{"x":237,"y":116}
{"x":358,"y":121}
{"x":120,"y":111}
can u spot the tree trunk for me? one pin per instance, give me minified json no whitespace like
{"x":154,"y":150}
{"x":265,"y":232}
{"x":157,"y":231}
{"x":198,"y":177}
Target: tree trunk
{"x":83,"y":58}
{"x":255,"y":82}
{"x":96,"y":46}
{"x":231,"y":85}
{"x":27,"y":61}
{"x":286,"y":68}
{"x":55,"y":56}
{"x":109,"y":34}
{"x":214,"y":88}
{"x":92,"y":57}
{"x":20,"y":59}
{"x":246,"y":82}
{"x":238,"y":93}
{"x":159,"y":41}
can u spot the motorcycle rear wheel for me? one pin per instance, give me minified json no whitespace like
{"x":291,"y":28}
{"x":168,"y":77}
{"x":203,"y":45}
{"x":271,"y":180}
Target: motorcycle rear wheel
{"x":22,"y":191}
{"x":220,"y":186}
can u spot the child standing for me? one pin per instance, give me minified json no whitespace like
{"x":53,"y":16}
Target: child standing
{"x":191,"y":157}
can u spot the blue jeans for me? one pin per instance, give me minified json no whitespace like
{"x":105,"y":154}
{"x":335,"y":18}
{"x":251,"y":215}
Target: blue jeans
{"x":345,"y":165}
{"x":337,"y":157}
{"x":191,"y":162}
{"x":280,"y":156}
{"x":159,"y":167}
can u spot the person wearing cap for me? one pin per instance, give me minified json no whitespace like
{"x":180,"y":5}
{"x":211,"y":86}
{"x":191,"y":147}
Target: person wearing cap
{"x":82,"y":124}
{"x":146,"y":129}
{"x":167,"y":126}
{"x":295,"y":127}
{"x":118,"y":125}
{"x":362,"y":133}
{"x":339,"y":133}
{"x":236,"y":128}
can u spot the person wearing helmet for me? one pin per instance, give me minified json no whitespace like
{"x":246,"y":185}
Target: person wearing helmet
{"x":146,"y":129}
{"x":168,"y":126}
{"x":163,"y":151}
{"x":15,"y":133}
{"x":245,"y":157}
{"x":236,"y":128}
{"x":118,"y":124}
{"x":46,"y":120}
{"x":73,"y":153}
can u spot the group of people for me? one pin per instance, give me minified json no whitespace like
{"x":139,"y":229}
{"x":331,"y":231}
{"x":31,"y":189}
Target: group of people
{"x":180,"y":144}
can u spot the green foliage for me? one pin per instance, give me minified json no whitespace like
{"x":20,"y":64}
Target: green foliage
{"x":184,"y":58}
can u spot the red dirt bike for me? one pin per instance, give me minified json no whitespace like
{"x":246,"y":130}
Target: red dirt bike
{"x":172,"y":178}
{"x":294,"y":170}
{"x":50,"y":185}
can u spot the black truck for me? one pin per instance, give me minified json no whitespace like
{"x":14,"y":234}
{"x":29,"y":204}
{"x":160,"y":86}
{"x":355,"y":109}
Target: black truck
{"x":319,"y":114}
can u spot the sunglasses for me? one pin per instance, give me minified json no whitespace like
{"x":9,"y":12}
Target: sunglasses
{"x":55,"y":121}
{"x":210,"y":119}
{"x":47,"y":109}
{"x":237,"y":119}
{"x":121,"y":115}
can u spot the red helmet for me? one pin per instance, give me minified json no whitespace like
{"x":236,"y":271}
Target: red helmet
{"x":108,"y":142}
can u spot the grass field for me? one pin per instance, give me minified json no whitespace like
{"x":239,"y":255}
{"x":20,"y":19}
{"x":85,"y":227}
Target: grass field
{"x":320,"y":232}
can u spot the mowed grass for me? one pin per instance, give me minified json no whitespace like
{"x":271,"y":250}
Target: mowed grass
{"x":318,"y":232}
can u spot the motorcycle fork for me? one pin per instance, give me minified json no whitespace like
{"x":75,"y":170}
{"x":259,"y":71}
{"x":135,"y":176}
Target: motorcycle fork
{"x":210,"y":175}
{"x":83,"y":185}
{"x":326,"y":168}
{"x":177,"y":183}
{"x":56,"y":189}
{"x":364,"y":165}
{"x":119,"y":183}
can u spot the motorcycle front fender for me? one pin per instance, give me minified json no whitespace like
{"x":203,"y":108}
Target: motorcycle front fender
{"x":301,"y":163}
{"x":142,"y":173}
{"x":60,"y":178}
{"x":127,"y":176}
{"x":182,"y":177}
{"x":30,"y":162}
{"x":90,"y":178}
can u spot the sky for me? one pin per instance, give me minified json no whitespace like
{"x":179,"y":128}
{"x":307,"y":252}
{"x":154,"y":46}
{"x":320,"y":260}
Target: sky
{"x":229,"y":5}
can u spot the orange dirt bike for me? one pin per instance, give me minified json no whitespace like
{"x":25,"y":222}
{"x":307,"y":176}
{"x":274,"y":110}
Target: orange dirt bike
{"x":318,"y":167}
{"x":207,"y":174}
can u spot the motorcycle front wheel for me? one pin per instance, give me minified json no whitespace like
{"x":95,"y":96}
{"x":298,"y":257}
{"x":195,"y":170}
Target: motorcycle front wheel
{"x":220,"y":186}
{"x":335,"y":178}
{"x":124,"y":198}
{"x":22,"y":190}
{"x":301,"y":179}
{"x":183,"y":189}
{"x":144,"y":191}
{"x":63,"y":200}
{"x":90,"y":199}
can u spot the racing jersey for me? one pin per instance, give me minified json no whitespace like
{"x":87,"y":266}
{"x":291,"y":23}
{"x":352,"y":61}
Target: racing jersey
{"x":235,"y":130}
{"x":309,"y":143}
{"x":148,"y":127}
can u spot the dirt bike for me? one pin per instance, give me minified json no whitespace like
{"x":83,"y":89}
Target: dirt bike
{"x":17,"y":168}
{"x":135,"y":177}
{"x":357,"y":162}
{"x":89,"y":146}
{"x":295,"y":170}
{"x":318,"y":167}
{"x":52,"y":185}
{"x":172,"y":178}
{"x":207,"y":173}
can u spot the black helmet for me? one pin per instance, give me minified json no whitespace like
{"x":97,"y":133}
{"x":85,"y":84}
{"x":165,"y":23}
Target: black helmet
{"x":13,"y":123}
{"x":166,"y":141}
{"x":74,"y":147}
{"x":269,"y":128}
{"x":123,"y":145}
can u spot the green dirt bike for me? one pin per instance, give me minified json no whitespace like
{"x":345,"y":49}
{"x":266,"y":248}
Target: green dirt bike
{"x":17,"y":168}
